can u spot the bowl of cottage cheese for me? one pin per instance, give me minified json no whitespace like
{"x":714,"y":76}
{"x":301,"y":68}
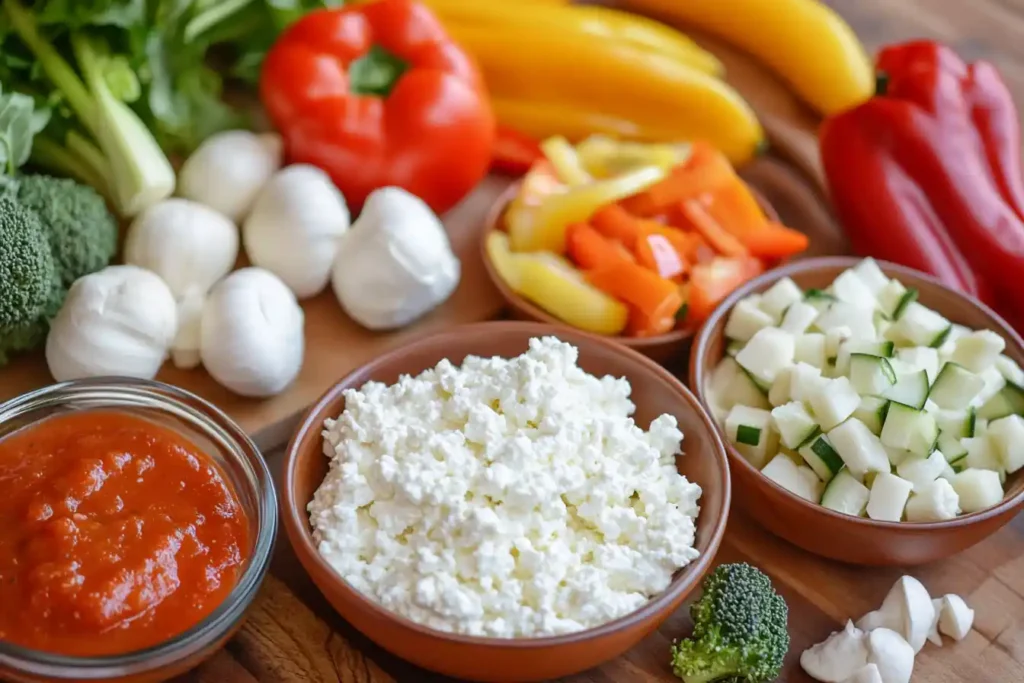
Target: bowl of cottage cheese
{"x":506,"y":501}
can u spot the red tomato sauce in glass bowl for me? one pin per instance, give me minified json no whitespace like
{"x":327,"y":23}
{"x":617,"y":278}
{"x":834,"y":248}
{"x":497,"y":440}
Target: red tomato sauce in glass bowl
{"x":116,"y":533}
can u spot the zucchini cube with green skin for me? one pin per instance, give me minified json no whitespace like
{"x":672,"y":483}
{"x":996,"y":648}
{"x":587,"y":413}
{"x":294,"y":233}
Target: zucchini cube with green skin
{"x":797,"y":480}
{"x":910,"y":430}
{"x":750,"y":431}
{"x":948,"y":346}
{"x":894,"y":298}
{"x":798,"y":317}
{"x":883,"y":349}
{"x":821,"y":457}
{"x":951,"y":447}
{"x":848,"y":287}
{"x":810,"y":349}
{"x":888,"y":498}
{"x":978,"y":351}
{"x":922,"y":471}
{"x":1007,"y":401}
{"x":1009,"y":369}
{"x":994,"y":383}
{"x":745,"y":320}
{"x":978,"y":489}
{"x":955,"y":423}
{"x":794,"y":424}
{"x":767,"y":353}
{"x":916,"y":358}
{"x":871,"y":375}
{"x":871,"y":275}
{"x":780,"y":296}
{"x":936,"y":502}
{"x":955,"y":387}
{"x":897,"y":455}
{"x":921,"y":326}
{"x":911,"y":389}
{"x":1006,"y":436}
{"x":861,"y":451}
{"x":833,"y":402}
{"x":730,"y":385}
{"x":872,"y":411}
{"x":845,"y":494}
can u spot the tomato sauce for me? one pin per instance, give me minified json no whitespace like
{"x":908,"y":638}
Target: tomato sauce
{"x":116,"y":533}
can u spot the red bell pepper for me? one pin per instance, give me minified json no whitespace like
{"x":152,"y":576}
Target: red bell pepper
{"x":377,"y":94}
{"x":514,"y":152}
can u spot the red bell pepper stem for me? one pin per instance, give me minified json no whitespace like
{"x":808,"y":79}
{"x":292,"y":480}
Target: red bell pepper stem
{"x":514,"y":153}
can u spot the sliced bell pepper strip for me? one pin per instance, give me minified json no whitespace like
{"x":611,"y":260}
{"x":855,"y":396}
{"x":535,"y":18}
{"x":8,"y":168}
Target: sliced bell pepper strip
{"x":698,"y":218}
{"x":705,"y":171}
{"x":653,"y":295}
{"x":553,"y":284}
{"x":614,"y":222}
{"x":656,"y":253}
{"x":605,"y":157}
{"x":711,"y":282}
{"x":734,"y":207}
{"x":589,"y":249}
{"x":774,"y":241}
{"x":642,"y":325}
{"x":567,"y":164}
{"x":514,"y":153}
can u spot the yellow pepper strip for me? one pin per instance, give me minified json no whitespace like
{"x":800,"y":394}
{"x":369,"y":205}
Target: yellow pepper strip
{"x":541,"y":227}
{"x":555,"y":285}
{"x":604,"y":157}
{"x":595,"y":23}
{"x":504,"y":261}
{"x":620,"y":81}
{"x":563,"y":157}
{"x":804,"y":41}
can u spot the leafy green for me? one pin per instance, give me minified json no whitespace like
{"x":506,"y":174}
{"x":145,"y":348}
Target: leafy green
{"x":19,"y":124}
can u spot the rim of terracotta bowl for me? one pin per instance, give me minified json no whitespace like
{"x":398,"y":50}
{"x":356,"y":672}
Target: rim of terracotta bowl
{"x":494,"y":221}
{"x":698,"y":376}
{"x":296,"y":520}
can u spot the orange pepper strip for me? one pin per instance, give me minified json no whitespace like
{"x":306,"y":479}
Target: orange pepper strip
{"x":589,"y":249}
{"x":643,"y":289}
{"x":705,"y":171}
{"x":735,"y":208}
{"x":657,"y":253}
{"x":774,"y":241}
{"x":616,"y":223}
{"x":642,"y":325}
{"x":720,"y":240}
{"x":711,"y":282}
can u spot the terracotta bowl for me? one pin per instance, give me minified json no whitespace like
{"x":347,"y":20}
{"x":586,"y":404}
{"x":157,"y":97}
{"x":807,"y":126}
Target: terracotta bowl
{"x":662,"y":348}
{"x":856,"y":540}
{"x":655,"y":391}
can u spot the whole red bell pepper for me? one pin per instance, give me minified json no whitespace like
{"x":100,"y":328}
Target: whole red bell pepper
{"x":378,"y":95}
{"x":927,"y":173}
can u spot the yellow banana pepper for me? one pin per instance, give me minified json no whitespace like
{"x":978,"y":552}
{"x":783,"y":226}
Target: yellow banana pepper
{"x":555,"y":285}
{"x":540,"y":225}
{"x":804,"y":41}
{"x":620,"y":81}
{"x":543,"y":119}
{"x":499,"y":252}
{"x":595,"y":23}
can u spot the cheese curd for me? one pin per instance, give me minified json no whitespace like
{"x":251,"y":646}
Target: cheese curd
{"x":505,"y":498}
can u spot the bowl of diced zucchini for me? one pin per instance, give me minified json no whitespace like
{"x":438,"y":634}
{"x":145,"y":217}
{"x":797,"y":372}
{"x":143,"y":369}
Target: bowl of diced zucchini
{"x":872,"y":415}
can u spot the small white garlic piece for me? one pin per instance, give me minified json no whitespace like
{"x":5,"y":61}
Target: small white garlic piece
{"x":295,"y":227}
{"x":227,"y":171}
{"x":396,"y":263}
{"x":118,"y":321}
{"x":251,"y":337}
{"x":187,"y":244}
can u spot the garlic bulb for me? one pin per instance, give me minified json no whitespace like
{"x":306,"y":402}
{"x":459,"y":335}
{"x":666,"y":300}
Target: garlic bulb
{"x":227,"y":171}
{"x":396,"y":263}
{"x":251,"y":337}
{"x":295,"y":227}
{"x":118,"y":321}
{"x":187,"y":244}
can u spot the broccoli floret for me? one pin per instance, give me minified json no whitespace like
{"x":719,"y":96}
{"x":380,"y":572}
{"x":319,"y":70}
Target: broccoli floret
{"x":739,"y":630}
{"x":30,"y":289}
{"x":81,"y":230}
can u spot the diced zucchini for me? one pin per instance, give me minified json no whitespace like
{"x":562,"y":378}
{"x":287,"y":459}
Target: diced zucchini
{"x":980,"y":426}
{"x":897,"y":455}
{"x":955,"y":387}
{"x":921,"y":326}
{"x":978,"y":351}
{"x":957,"y":331}
{"x":981,"y":455}
{"x":833,"y":402}
{"x":834,"y":338}
{"x":978,"y":489}
{"x":911,"y":389}
{"x":794,"y":424}
{"x":798,"y":317}
{"x":746,"y":422}
{"x":788,"y":475}
{"x":804,"y":381}
{"x":861,"y":450}
{"x":845,"y":494}
{"x":819,"y":298}
{"x":871,"y":275}
{"x":779,"y":392}
{"x":821,"y":457}
{"x":909,"y":429}
{"x":994,"y":383}
{"x":730,"y":385}
{"x":882,"y":323}
{"x":871,"y":412}
{"x":733,"y":347}
{"x":871,"y":375}
{"x":894,"y":298}
{"x":883,"y":349}
{"x":810,"y":349}
{"x":780,"y":296}
{"x":859,"y":320}
{"x":745,"y":320}
{"x":888,"y":497}
{"x":850,"y":288}
{"x":916,"y":358}
{"x":936,"y":502}
{"x":1007,"y":401}
{"x":951,"y":448}
{"x":812,"y":486}
{"x":767,"y":353}
{"x":956,"y":423}
{"x":1009,"y":369}
{"x":922,"y":471}
{"x":1006,"y":436}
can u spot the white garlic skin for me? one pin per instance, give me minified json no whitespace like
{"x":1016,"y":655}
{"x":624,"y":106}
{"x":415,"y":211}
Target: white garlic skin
{"x":229,"y":169}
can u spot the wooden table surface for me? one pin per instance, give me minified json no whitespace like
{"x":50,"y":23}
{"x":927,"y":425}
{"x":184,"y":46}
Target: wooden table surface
{"x":293,"y":635}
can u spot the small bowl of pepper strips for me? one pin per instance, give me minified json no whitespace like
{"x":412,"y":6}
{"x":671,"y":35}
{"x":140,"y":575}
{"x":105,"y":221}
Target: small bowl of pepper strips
{"x":634,"y":241}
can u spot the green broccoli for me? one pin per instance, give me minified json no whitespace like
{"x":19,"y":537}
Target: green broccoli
{"x":739,"y":630}
{"x":81,"y":231}
{"x":30,"y":288}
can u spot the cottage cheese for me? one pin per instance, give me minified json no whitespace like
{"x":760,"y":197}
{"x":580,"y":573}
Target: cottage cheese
{"x":505,"y":498}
